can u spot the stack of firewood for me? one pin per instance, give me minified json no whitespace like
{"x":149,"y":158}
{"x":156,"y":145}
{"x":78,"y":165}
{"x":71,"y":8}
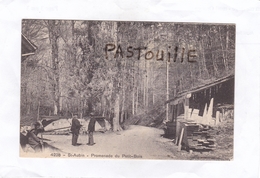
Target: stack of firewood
{"x":202,"y":139}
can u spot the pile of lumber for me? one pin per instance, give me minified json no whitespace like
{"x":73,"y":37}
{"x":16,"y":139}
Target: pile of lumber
{"x":196,"y":137}
{"x":202,"y":140}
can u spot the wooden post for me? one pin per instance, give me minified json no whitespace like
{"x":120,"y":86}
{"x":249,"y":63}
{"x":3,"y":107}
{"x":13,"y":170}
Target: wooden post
{"x":223,"y":114}
{"x":217,"y":117}
{"x":179,"y":145}
{"x":177,"y":131}
{"x":42,"y":143}
{"x":186,"y":109}
{"x":210,"y":111}
{"x":220,"y":117}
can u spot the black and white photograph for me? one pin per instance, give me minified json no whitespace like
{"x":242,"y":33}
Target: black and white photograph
{"x":152,"y":88}
{"x":127,"y":90}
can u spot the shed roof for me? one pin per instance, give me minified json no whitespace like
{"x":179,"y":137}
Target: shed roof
{"x":200,"y":88}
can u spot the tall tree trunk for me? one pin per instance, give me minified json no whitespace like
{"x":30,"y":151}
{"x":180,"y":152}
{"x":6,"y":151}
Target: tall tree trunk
{"x":122,"y":108}
{"x":214,"y":64}
{"x":29,"y":109}
{"x":133,"y":92}
{"x":60,"y":103}
{"x":167,"y":91}
{"x":144,"y":81}
{"x":152,"y":81}
{"x":201,"y":45}
{"x":227,"y":40}
{"x":137,"y":89}
{"x":223,"y":51}
{"x":55,"y":108}
{"x":123,"y":92}
{"x":147,"y":83}
{"x":137,"y":100}
{"x":116,"y":125}
{"x":38,"y":111}
{"x":53,"y":37}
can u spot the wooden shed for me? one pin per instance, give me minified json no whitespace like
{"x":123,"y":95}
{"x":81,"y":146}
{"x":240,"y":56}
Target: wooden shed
{"x":201,"y":105}
{"x":221,"y":90}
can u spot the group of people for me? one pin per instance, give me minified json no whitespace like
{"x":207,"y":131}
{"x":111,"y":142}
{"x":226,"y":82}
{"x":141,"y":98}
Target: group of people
{"x":30,"y":136}
{"x":75,"y":128}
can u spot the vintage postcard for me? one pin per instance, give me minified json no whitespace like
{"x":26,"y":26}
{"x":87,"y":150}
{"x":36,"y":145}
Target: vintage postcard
{"x":127,"y":90}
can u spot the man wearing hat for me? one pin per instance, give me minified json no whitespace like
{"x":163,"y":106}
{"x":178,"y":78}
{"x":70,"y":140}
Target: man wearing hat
{"x":75,"y":127}
{"x":91,"y":129}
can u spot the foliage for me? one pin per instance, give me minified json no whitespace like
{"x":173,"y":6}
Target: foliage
{"x":70,"y":72}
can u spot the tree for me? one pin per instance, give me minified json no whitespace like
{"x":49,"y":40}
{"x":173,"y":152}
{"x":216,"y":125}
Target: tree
{"x":71,"y":73}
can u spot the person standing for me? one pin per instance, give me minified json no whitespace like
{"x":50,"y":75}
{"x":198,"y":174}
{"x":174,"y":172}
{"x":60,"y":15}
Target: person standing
{"x":75,"y":127}
{"x":91,"y":129}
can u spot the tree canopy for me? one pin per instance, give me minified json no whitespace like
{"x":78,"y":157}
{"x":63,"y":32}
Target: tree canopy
{"x":119,"y":69}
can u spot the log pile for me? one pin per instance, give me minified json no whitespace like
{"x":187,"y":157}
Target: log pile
{"x":202,"y":140}
{"x":197,"y":137}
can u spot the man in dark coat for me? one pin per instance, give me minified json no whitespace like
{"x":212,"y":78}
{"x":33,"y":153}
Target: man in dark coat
{"x":35,"y":142}
{"x":91,"y":129}
{"x":75,"y":127}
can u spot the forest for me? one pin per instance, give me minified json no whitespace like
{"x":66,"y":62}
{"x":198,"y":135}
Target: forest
{"x":120,"y":70}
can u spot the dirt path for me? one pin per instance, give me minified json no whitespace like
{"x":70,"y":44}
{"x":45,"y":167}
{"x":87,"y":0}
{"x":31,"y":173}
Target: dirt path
{"x":136,"y":142}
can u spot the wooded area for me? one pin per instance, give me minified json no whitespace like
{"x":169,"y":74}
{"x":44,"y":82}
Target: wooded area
{"x":75,"y":71}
